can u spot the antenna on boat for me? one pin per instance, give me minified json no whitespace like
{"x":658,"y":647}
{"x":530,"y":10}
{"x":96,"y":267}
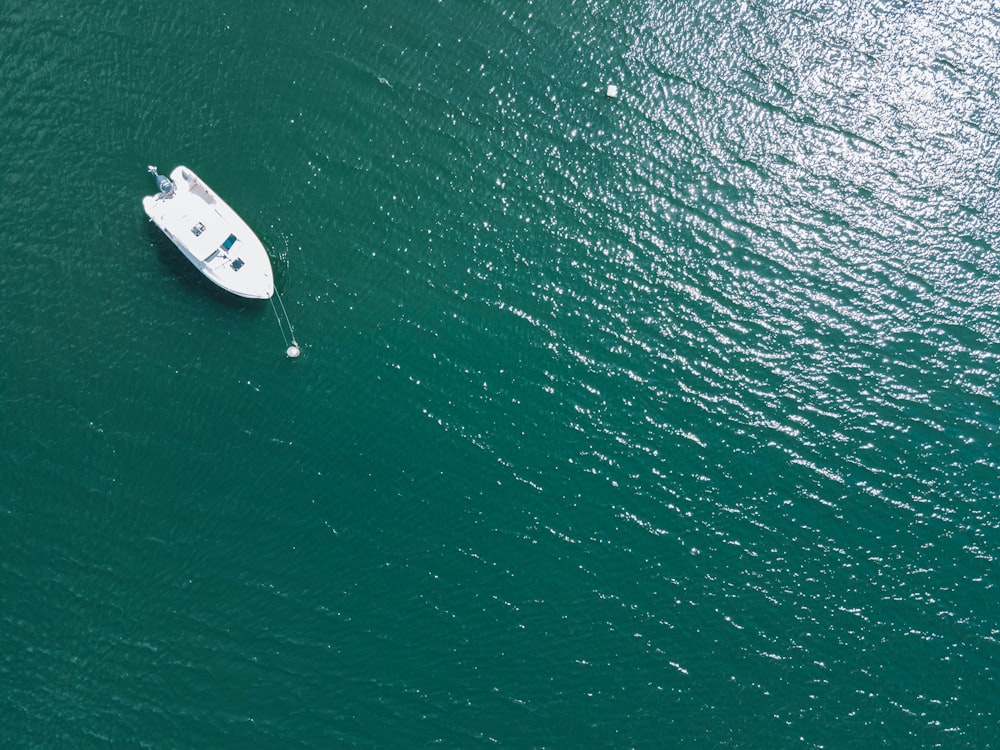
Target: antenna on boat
{"x":292,"y":350}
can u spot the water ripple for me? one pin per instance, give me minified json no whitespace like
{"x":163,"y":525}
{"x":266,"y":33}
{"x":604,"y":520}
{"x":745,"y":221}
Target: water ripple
{"x":676,"y":404}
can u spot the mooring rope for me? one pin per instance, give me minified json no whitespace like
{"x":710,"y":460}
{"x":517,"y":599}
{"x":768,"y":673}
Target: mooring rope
{"x":291,"y":349}
{"x":278,"y":318}
{"x":291,"y":331}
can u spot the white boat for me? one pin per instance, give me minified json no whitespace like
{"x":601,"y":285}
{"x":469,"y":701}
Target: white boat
{"x":211,"y":234}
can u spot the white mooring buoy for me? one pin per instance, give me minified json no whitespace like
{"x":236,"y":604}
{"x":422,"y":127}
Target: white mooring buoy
{"x":293,"y":351}
{"x":612,"y":91}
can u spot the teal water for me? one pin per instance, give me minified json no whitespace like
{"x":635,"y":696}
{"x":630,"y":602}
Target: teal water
{"x":669,"y":420}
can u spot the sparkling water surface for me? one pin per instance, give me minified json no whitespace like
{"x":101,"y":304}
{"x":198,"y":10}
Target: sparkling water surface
{"x":664,"y":420}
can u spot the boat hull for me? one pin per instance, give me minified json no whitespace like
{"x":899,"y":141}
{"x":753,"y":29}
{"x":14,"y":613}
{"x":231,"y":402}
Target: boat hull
{"x":211,"y":235}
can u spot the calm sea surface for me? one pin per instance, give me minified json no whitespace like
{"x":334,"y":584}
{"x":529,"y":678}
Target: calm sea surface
{"x":663,"y":420}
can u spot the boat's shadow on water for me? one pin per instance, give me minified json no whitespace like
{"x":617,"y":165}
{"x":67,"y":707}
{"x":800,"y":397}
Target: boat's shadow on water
{"x":178,"y":267}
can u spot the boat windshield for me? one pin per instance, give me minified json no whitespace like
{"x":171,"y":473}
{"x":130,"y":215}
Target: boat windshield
{"x":230,"y":241}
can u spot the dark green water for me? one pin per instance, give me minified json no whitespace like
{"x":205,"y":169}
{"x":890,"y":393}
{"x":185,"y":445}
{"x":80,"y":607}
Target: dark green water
{"x":669,"y":420}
